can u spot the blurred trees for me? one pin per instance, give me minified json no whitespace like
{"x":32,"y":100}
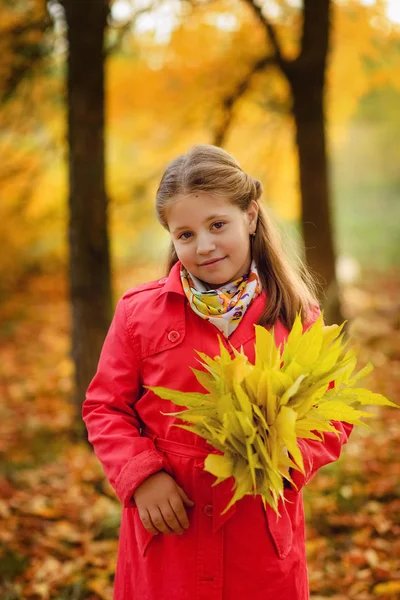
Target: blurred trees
{"x":24,"y":51}
{"x":166,"y":89}
{"x":89,"y":262}
{"x":23,"y":28}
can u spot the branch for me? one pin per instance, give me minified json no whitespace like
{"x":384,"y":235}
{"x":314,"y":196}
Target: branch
{"x":28,"y":53}
{"x":18,"y":29}
{"x":241,"y":88}
{"x":271,"y":33}
{"x":124,"y":29}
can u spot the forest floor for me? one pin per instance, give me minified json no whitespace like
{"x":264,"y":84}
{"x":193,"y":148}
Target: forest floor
{"x":59,"y":517}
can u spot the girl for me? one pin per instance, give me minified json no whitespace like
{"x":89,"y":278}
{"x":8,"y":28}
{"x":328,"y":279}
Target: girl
{"x":226,"y":273}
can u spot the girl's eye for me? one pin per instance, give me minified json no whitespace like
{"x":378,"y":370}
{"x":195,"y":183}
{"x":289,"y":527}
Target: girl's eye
{"x":185,"y":235}
{"x":218,"y":224}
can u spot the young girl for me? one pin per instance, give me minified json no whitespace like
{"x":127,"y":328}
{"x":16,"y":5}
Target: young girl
{"x":226,"y":273}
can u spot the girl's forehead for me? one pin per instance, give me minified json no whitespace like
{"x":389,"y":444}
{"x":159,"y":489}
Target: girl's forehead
{"x":198,"y":202}
{"x":197,"y":207}
{"x":200,"y":195}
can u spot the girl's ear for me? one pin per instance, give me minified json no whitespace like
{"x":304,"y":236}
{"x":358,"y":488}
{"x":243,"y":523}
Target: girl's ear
{"x":252,"y":214}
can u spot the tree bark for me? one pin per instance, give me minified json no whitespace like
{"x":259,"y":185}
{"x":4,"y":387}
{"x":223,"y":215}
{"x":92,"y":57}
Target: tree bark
{"x":315,"y":192}
{"x":89,"y":260}
{"x":308,"y":111}
{"x":307,"y":79}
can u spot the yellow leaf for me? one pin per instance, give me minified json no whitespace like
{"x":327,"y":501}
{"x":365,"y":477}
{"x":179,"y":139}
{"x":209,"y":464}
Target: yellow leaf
{"x":285,"y":427}
{"x":310,"y":344}
{"x":181,"y":398}
{"x":336,"y":410}
{"x":364,"y":396}
{"x":292,"y":390}
{"x":388,"y":588}
{"x":205,"y":379}
{"x":218,"y":465}
{"x":267,"y":354}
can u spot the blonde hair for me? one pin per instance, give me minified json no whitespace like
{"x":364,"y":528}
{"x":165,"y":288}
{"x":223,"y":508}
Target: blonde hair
{"x":290,"y":287}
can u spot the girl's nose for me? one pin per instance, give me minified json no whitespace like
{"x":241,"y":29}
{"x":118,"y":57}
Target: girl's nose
{"x":205,"y":244}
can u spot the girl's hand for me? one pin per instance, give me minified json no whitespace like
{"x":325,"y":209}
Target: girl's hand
{"x":161,"y":504}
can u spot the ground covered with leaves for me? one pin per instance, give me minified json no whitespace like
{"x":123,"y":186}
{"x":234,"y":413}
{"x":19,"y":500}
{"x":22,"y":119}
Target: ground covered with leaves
{"x":59,"y":518}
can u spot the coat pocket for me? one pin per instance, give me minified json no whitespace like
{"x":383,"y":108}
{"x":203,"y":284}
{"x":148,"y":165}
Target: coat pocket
{"x":280,"y":528}
{"x":142,"y":536}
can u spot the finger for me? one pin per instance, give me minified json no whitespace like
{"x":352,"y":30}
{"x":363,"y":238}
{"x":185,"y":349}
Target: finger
{"x":180,"y":512}
{"x":170,"y":518}
{"x":184,"y":497}
{"x":147,"y":523}
{"x":158,"y":520}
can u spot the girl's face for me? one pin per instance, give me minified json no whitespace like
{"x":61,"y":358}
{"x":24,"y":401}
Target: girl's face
{"x":212,"y":236}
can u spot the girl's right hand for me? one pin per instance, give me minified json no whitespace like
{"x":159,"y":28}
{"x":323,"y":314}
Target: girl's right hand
{"x":161,"y":504}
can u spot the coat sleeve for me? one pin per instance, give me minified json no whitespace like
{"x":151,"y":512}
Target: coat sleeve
{"x":317,"y":454}
{"x":109,"y":413}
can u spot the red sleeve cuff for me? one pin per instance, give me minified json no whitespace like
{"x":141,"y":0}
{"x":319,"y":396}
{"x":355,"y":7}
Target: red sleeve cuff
{"x":136,"y":470}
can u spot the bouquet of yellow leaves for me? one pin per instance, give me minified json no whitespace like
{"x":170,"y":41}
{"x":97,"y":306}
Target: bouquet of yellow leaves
{"x":254,"y":413}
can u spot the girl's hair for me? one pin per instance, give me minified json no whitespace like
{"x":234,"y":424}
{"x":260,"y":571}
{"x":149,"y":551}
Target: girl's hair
{"x":290,"y":288}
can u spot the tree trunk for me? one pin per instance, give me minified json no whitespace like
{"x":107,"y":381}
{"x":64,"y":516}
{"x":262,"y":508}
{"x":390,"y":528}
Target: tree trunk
{"x":313,"y":175}
{"x":306,"y":77}
{"x":314,"y":187}
{"x":89,"y":263}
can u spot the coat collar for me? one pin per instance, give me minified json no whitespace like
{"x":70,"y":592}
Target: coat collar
{"x":173,"y":281}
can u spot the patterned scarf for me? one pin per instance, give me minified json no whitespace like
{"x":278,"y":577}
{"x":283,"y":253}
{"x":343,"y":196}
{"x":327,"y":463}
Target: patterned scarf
{"x":225,"y":306}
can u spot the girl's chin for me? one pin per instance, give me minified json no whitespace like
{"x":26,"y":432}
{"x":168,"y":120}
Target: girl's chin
{"x":213,"y":282}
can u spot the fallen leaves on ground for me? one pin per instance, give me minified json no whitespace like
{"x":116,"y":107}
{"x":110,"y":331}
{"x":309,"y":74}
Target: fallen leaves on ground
{"x":59,"y":517}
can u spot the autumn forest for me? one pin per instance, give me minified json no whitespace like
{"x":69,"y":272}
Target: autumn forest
{"x":96,"y":98}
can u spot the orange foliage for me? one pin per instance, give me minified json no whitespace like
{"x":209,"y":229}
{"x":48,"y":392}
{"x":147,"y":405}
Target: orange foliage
{"x":163,"y":96}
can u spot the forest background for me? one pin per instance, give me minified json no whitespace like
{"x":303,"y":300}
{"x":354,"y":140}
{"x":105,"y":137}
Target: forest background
{"x":168,"y":66}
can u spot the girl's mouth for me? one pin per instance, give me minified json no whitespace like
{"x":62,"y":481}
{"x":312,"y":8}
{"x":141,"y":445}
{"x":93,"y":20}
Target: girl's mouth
{"x":210,"y":263}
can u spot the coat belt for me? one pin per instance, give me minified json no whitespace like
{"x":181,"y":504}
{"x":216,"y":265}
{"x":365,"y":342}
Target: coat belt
{"x":222,"y":493}
{"x":181,"y":449}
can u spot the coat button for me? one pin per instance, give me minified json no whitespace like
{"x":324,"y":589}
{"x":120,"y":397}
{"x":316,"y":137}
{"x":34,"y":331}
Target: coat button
{"x":173,"y":336}
{"x":208,"y":510}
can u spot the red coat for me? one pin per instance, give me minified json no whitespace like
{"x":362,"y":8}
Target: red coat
{"x":245,"y":555}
